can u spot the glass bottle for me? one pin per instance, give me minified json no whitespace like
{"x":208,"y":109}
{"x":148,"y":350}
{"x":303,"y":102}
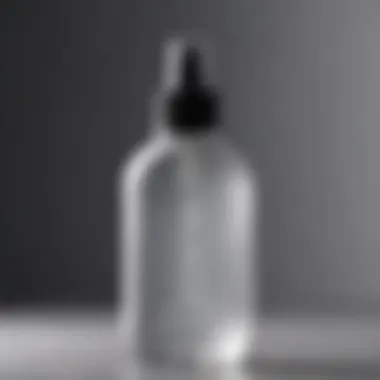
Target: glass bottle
{"x":188,"y":216}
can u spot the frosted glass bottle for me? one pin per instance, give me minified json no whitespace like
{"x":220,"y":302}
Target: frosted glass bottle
{"x":188,"y":208}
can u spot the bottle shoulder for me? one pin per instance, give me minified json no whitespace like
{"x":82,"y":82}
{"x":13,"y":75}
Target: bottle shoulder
{"x":144,"y":159}
{"x":157,"y":156}
{"x":238,"y":160}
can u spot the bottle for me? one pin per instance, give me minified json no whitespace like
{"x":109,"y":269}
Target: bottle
{"x":188,"y":216}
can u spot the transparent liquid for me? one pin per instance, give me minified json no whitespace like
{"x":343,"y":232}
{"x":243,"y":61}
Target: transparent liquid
{"x":188,"y":226}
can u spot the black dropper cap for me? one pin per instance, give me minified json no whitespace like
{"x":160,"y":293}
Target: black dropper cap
{"x":191,"y":104}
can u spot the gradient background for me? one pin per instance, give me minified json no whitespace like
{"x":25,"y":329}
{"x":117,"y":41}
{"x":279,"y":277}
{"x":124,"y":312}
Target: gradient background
{"x":302,"y":79}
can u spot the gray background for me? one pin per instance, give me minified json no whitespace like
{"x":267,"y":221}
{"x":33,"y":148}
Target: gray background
{"x":302,"y":79}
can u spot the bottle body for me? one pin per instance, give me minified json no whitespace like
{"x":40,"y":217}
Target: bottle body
{"x":188,"y":239}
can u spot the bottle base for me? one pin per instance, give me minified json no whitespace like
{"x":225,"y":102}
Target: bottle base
{"x":205,"y":358}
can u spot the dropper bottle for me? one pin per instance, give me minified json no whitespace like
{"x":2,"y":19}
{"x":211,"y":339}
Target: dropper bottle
{"x":188,"y":215}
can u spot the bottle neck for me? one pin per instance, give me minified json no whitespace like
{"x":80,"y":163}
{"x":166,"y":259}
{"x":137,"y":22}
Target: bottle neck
{"x":164,"y":132}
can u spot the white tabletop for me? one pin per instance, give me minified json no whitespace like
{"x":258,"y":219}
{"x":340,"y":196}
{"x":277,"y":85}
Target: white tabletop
{"x":77,"y":345}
